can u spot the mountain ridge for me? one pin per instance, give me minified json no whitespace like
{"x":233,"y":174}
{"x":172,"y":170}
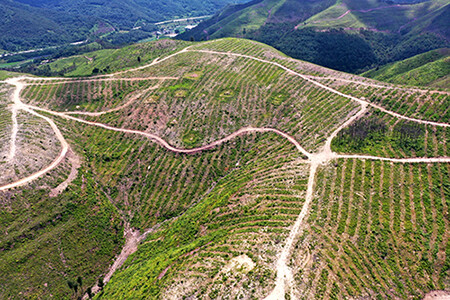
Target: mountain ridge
{"x":359,"y":34}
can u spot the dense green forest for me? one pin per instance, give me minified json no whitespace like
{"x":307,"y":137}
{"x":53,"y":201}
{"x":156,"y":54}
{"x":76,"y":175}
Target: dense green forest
{"x":28,"y":24}
{"x":25,"y":27}
{"x":344,"y":51}
{"x":125,"y":13}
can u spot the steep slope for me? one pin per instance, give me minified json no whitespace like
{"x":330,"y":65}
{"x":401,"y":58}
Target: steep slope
{"x":243,"y":20}
{"x":347,"y":35}
{"x":427,"y":69}
{"x":215,"y":164}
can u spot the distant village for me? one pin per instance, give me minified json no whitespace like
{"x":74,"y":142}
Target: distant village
{"x":172,"y":28}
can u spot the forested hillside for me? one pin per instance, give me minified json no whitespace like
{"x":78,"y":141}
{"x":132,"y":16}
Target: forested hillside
{"x":125,"y":13}
{"x":428,"y":69}
{"x":26,"y":24}
{"x":25,"y":27}
{"x":346,"y":35}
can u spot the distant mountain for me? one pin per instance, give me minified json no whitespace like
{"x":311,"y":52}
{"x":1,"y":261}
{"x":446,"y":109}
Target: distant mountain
{"x":24,"y":27}
{"x":28,"y":24}
{"x":125,"y":13}
{"x":428,"y":69}
{"x":348,"y":35}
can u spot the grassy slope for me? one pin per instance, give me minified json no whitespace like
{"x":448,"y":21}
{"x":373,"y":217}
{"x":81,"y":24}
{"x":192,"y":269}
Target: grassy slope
{"x":383,"y":16}
{"x":376,"y":14}
{"x":250,"y":18}
{"x":427,"y":69}
{"x":253,"y":17}
{"x":5,"y":75}
{"x":328,"y":18}
{"x":112,"y":60}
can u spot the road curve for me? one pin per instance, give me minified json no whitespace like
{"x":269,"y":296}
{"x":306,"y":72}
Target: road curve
{"x":18,"y":105}
{"x":386,"y":85}
{"x":166,"y":145}
{"x":54,"y":164}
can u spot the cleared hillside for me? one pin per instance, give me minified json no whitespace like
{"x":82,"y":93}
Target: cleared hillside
{"x":212,"y":169}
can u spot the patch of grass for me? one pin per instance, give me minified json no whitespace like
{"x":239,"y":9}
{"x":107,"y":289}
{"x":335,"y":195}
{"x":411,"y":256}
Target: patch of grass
{"x":278,"y":99}
{"x":196,"y":75}
{"x":226,"y":95}
{"x":112,"y":60}
{"x":192,"y":138}
{"x":6,"y":74}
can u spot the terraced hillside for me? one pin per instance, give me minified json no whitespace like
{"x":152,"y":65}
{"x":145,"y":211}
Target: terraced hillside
{"x":376,"y":229}
{"x":210,"y":173}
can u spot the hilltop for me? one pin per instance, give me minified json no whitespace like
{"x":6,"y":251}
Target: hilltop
{"x":346,"y":35}
{"x":220,"y":169}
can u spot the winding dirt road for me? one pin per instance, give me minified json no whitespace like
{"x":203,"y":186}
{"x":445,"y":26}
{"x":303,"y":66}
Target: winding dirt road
{"x":386,"y":85}
{"x":106,"y":79}
{"x":97,"y":114}
{"x":169,"y":147}
{"x":65,"y":146}
{"x":307,"y":78}
{"x":284,"y":277}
